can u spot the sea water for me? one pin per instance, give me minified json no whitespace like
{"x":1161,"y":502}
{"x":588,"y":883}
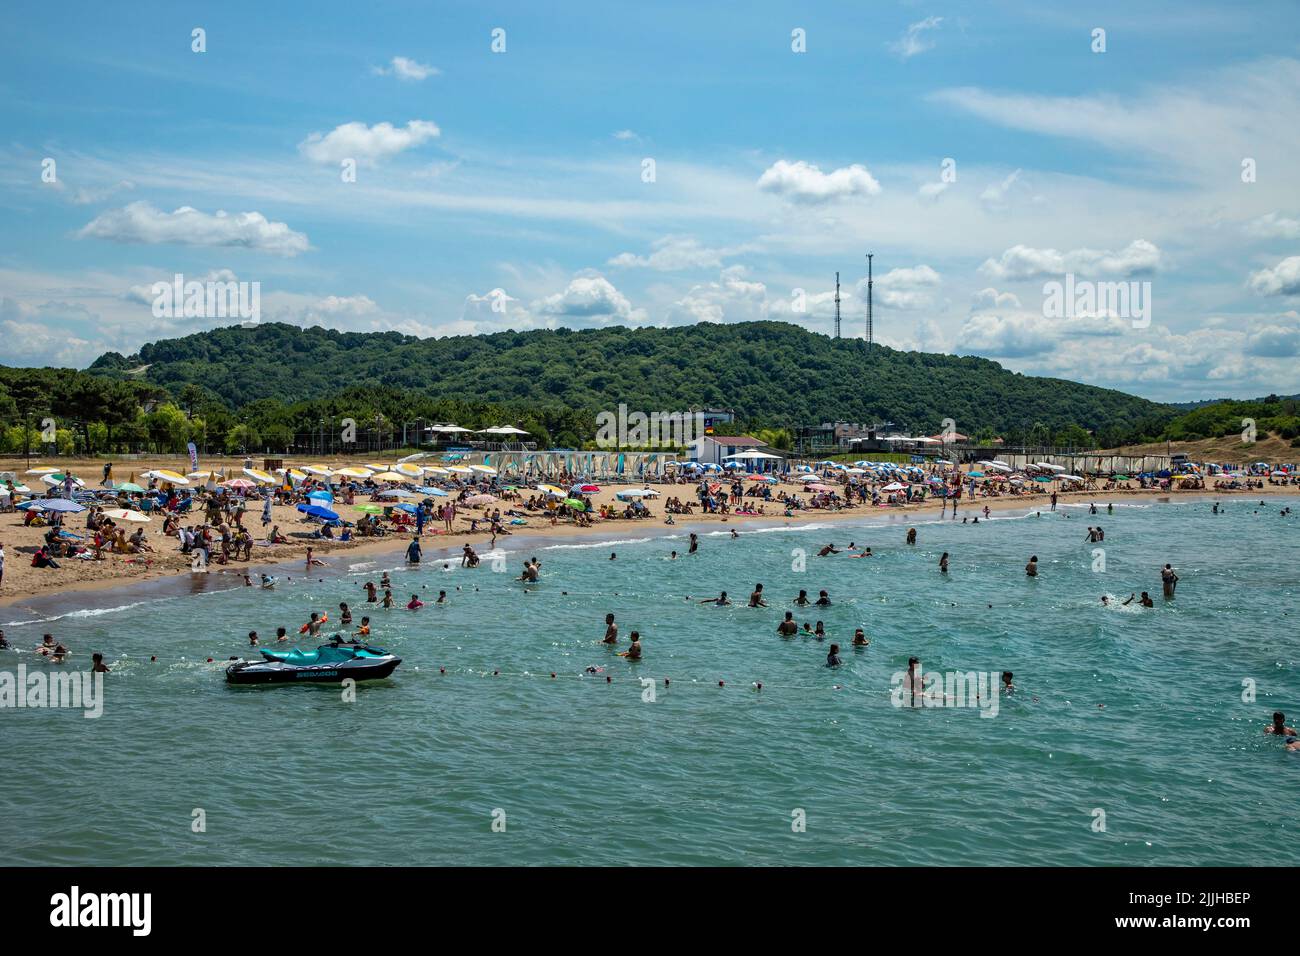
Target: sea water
{"x":1133,"y":736}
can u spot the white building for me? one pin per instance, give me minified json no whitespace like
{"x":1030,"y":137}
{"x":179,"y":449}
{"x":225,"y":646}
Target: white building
{"x":714,"y":449}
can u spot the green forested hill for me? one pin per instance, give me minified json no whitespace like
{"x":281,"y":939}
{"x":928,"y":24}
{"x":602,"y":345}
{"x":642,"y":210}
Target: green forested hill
{"x":770,"y":373}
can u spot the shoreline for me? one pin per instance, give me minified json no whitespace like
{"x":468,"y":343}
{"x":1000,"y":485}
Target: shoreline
{"x":75,"y":596}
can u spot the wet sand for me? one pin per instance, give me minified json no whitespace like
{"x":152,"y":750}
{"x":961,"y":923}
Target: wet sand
{"x":77,"y":583}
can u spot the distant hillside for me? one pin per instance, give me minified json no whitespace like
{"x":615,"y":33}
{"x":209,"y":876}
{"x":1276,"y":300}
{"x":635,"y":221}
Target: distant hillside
{"x":770,"y":373}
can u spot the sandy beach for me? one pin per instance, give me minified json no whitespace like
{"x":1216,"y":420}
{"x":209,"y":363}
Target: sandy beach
{"x":23,"y":582}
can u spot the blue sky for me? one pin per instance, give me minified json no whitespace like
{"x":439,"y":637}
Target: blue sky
{"x":506,"y":190}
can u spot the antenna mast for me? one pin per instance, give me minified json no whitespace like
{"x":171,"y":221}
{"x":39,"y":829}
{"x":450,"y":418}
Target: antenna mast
{"x":869,"y":284}
{"x":837,"y":305}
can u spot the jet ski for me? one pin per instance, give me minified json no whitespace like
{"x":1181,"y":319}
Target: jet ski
{"x":329,"y":664}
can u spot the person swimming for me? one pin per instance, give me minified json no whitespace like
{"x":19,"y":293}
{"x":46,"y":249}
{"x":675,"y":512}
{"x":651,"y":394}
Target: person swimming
{"x":802,"y":599}
{"x":345,"y":614}
{"x":633,"y":652}
{"x":860,"y":638}
{"x":756,"y":597}
{"x":415,"y":603}
{"x":720,"y":600}
{"x":252,"y":639}
{"x":268,"y":582}
{"x":530,"y":573}
{"x":370,"y":591}
{"x":611,"y":630}
{"x":823,"y":599}
{"x":1168,"y":580}
{"x":442,"y":598}
{"x":388,"y":598}
{"x":943,"y":563}
{"x":829,"y":549}
{"x":1007,"y":686}
{"x":788,"y":627}
{"x":819,"y":631}
{"x":833,"y":658}
{"x":97,"y":664}
{"x":1031,"y":569}
{"x":1279,"y":726}
{"x":911,"y":536}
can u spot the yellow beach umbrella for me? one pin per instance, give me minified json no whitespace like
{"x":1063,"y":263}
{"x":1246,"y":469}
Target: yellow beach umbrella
{"x":261,"y":477}
{"x":485,"y":469}
{"x":389,"y":476}
{"x":354,"y":472}
{"x":436,"y":470}
{"x":319,"y":470}
{"x":460,"y":470}
{"x":410,"y":471}
{"x":163,"y":474}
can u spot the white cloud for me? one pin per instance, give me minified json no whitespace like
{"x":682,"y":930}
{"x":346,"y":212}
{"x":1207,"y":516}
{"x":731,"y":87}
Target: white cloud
{"x":1020,"y":262}
{"x":932,"y":190}
{"x":915,"y":40}
{"x":904,"y":288}
{"x":140,"y":222}
{"x":993,"y":299}
{"x":674,"y":253}
{"x":366,"y":144}
{"x":1281,"y":279}
{"x":995,"y":194}
{"x":627,"y":136}
{"x":802,"y":182}
{"x":1273,"y":226}
{"x":1279,"y":339}
{"x":405,"y":69}
{"x":732,"y":298}
{"x":43,"y":334}
{"x":589,"y":299}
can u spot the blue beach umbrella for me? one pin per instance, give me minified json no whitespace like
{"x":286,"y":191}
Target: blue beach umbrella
{"x":405,"y":506}
{"x":316,"y":511}
{"x":430,"y":490}
{"x":320,"y":495}
{"x":60,"y":504}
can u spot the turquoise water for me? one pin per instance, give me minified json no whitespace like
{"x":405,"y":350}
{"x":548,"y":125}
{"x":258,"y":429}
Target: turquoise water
{"x":587,"y":772}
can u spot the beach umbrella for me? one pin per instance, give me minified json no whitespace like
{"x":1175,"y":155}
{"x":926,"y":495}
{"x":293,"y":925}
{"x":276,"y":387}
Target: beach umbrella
{"x":436,"y":470}
{"x":480,"y":499}
{"x":129,"y":486}
{"x":389,"y":476}
{"x":637,"y":493}
{"x":818,"y":487}
{"x":58,"y":478}
{"x":810,"y":478}
{"x":316,"y":511}
{"x":551,"y":490}
{"x":396,"y":493}
{"x":41,"y":471}
{"x":60,"y":504}
{"x":584,"y":489}
{"x":895,"y":486}
{"x":575,"y":504}
{"x":767,"y":478}
{"x":162,"y":474}
{"x":1121,"y":478}
{"x":320,"y":496}
{"x":354,"y":472}
{"x":297,"y":476}
{"x":483,"y":469}
{"x":127,"y":514}
{"x":942,"y":461}
{"x":975,"y":474}
{"x":460,"y":470}
{"x":261,"y":477}
{"x":369,"y":509}
{"x":1042,"y":478}
{"x":406,"y":506}
{"x":409,"y":471}
{"x":240,"y":483}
